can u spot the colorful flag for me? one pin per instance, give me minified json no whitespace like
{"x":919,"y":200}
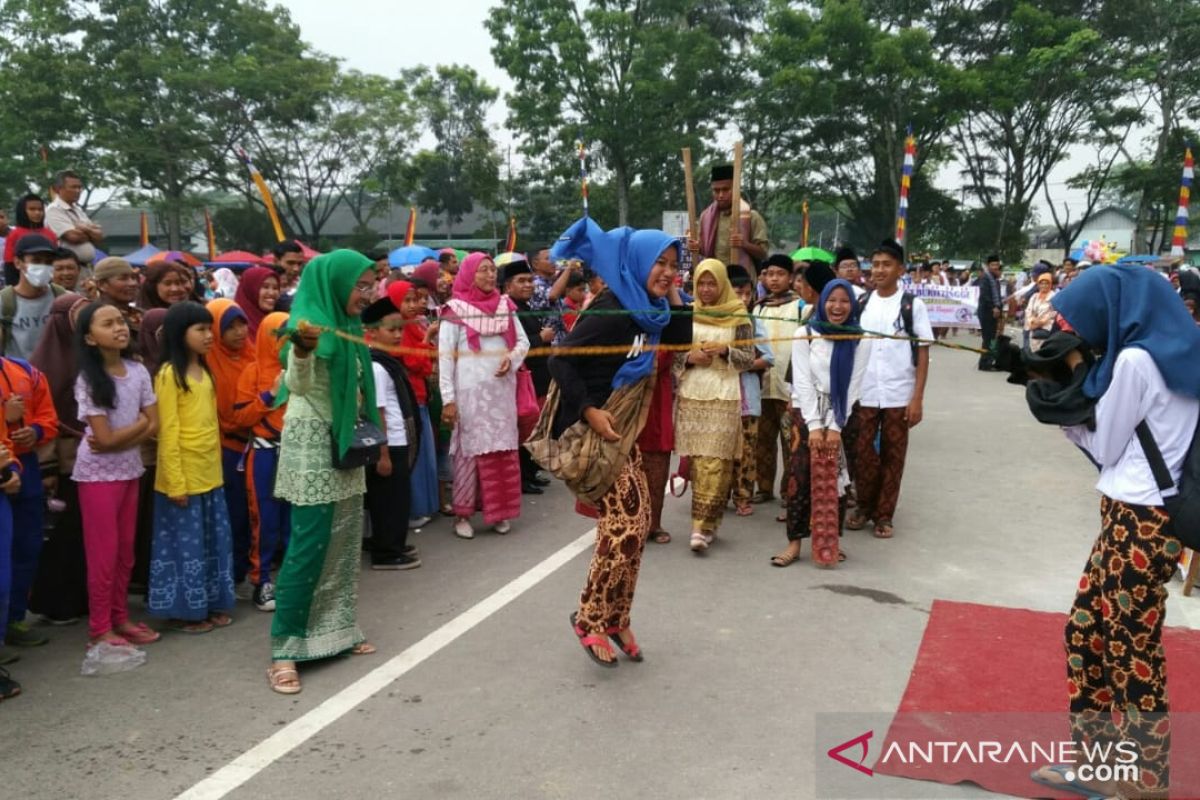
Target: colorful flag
{"x":210,"y":235}
{"x":910,"y":158}
{"x":257,"y":177}
{"x":804,"y":234}
{"x":410,"y":230}
{"x":145,"y":230}
{"x":583,"y":176}
{"x":1179,"y":241}
{"x":510,"y":244}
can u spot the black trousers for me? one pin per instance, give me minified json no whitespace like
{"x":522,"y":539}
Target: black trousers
{"x":987,"y":331}
{"x":388,"y":499}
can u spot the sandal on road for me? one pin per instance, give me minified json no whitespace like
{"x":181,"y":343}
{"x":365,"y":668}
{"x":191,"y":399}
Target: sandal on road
{"x":883,"y":529}
{"x":661,"y":537}
{"x":1062,"y":783}
{"x":220,"y":620}
{"x":785,"y":559}
{"x":630,"y":648}
{"x":285,"y":680}
{"x":856,"y":521}
{"x":363,"y":649}
{"x":593,"y":641}
{"x":185,"y":626}
{"x":138,"y":634}
{"x":744,"y":509}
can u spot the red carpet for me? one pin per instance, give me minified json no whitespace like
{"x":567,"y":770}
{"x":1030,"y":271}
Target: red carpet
{"x":999,"y":674}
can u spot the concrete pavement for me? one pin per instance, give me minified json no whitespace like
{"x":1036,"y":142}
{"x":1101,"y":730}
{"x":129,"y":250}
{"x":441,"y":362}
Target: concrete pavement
{"x":740,"y":655}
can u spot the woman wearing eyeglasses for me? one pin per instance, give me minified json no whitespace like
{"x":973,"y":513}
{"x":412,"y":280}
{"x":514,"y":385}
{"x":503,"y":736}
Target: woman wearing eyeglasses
{"x":328,"y":385}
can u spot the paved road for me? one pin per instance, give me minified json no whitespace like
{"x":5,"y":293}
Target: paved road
{"x":740,"y":655}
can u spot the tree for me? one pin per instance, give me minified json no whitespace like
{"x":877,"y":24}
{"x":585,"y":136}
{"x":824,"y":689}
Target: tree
{"x":1035,"y":77}
{"x":635,"y":79}
{"x":463,"y":169}
{"x":173,"y":85}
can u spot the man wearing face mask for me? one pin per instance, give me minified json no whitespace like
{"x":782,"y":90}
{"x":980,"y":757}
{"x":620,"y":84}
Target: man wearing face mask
{"x":25,"y":308}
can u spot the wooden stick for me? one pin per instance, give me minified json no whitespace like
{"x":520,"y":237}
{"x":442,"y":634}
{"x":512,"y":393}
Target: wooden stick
{"x":1193,"y":574}
{"x":689,"y":189}
{"x":735,"y":211}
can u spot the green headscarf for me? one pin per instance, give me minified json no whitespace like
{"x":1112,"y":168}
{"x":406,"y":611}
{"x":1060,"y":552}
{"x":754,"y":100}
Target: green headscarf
{"x":321,"y":297}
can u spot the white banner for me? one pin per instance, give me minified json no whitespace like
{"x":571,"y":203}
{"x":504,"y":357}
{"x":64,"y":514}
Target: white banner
{"x":949,"y":306}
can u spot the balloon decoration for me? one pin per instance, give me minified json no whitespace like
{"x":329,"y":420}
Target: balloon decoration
{"x":1097,"y":251}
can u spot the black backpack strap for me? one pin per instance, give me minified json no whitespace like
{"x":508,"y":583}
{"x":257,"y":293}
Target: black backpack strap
{"x":1158,"y":465}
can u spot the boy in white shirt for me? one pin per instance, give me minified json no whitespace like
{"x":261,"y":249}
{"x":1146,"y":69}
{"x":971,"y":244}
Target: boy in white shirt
{"x":893,"y":391}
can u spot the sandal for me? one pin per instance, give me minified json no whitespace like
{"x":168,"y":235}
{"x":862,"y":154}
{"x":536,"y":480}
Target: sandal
{"x":785,"y":559}
{"x":139,"y":634}
{"x":220,"y":620}
{"x":699,"y":541}
{"x":1065,"y":785}
{"x":589,"y":642}
{"x":183,"y":626}
{"x":744,"y":509}
{"x":280,"y":681}
{"x":856,"y":521}
{"x":661,"y":537}
{"x":781,"y":517}
{"x":883,"y":529}
{"x":631,"y":648}
{"x":363,"y":649}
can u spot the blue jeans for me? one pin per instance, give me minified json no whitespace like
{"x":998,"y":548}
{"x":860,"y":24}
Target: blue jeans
{"x":28,"y":510}
{"x":239,"y":511}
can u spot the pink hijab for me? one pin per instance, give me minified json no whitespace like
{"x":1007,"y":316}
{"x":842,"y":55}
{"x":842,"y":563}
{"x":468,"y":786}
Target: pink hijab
{"x":475,"y":309}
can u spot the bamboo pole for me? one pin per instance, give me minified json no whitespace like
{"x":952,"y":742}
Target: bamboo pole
{"x":690,"y":194}
{"x":735,"y":211}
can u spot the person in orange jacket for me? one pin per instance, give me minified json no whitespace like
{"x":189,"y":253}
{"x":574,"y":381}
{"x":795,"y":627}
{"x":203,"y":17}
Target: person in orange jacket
{"x":254,"y":409}
{"x":32,"y":421}
{"x":10,"y":483}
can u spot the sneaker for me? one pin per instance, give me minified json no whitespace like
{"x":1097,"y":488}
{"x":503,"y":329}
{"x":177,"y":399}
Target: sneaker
{"x":399,"y":562}
{"x":699,"y":541}
{"x":264,"y":597}
{"x":21,"y":635}
{"x":8,"y":687}
{"x":243,"y":590}
{"x":502,"y":527}
{"x":59,"y":621}
{"x":418,"y":522}
{"x":463,"y":529}
{"x":410,"y":550}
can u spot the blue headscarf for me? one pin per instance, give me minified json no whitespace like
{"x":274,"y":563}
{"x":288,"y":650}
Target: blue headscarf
{"x":623,"y":258}
{"x":1113,"y":306}
{"x":841,"y":365}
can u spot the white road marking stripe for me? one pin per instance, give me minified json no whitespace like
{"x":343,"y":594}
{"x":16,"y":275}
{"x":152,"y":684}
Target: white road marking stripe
{"x":296,"y":733}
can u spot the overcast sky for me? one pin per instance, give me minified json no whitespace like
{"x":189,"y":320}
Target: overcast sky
{"x":386,"y":36}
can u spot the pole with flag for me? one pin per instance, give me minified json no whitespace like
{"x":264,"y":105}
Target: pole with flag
{"x":910,"y":158}
{"x":1179,"y":240}
{"x":410,"y":230}
{"x":804,"y":233}
{"x":210,"y":235}
{"x":257,"y":177}
{"x":144,"y":229}
{"x":583,"y":175}
{"x":510,"y":244}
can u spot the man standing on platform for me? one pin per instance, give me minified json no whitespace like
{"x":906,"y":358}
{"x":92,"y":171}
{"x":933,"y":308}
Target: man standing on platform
{"x":716,"y":239}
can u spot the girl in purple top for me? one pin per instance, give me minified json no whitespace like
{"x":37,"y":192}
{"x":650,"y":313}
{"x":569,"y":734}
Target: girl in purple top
{"x":116,"y":401}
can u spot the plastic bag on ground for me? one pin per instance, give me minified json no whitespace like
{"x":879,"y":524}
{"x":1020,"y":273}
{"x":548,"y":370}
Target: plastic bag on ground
{"x":106,"y":658}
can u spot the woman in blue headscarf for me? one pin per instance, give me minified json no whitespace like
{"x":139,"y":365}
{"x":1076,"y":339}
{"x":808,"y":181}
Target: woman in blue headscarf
{"x":1146,"y":372}
{"x":610,"y":394}
{"x":827,"y":373}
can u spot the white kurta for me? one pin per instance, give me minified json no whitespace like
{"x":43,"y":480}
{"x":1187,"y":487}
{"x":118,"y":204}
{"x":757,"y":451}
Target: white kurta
{"x":487,"y":405}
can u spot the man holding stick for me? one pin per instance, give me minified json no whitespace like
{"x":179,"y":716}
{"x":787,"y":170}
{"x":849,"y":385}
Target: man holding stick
{"x":718,"y":238}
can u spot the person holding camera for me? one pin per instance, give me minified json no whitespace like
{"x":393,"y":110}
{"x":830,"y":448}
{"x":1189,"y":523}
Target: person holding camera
{"x":1145,"y":373}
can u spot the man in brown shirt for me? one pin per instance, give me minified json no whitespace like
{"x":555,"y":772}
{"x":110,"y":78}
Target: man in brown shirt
{"x":716,"y":239}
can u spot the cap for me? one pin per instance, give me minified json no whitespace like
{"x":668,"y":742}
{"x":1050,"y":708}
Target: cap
{"x":34,"y":243}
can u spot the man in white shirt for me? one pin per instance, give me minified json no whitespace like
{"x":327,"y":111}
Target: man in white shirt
{"x":893,"y":391}
{"x":69,"y":221}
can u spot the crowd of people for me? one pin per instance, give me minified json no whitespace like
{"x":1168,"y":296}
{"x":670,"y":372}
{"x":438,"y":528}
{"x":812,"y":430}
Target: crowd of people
{"x":198,"y":443}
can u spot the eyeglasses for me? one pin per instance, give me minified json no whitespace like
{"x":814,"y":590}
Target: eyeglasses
{"x":365,"y":287}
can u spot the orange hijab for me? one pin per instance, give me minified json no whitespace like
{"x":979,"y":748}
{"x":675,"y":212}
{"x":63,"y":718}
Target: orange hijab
{"x":267,"y":365}
{"x":227,"y":365}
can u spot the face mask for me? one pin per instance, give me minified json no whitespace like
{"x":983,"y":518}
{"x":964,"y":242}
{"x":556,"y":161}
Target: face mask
{"x":39,"y":275}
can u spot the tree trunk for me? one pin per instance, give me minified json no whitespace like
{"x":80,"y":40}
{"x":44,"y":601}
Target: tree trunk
{"x":621,"y":176}
{"x":174,"y":220}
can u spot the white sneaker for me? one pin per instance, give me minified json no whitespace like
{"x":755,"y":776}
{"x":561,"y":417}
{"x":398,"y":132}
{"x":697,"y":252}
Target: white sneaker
{"x":699,"y":541}
{"x":502,"y":527}
{"x":463,"y":529}
{"x":418,"y":522}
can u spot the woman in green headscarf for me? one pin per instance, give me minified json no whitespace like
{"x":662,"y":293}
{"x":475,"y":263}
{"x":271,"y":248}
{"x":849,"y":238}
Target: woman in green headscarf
{"x":327,"y":385}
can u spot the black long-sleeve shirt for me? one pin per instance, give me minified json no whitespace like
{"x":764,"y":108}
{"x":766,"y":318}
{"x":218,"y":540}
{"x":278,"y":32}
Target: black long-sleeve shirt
{"x":585,"y":381}
{"x":537,"y":364}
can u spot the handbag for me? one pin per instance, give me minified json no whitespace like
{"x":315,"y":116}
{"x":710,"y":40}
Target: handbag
{"x":364,"y":444}
{"x":527,"y":404}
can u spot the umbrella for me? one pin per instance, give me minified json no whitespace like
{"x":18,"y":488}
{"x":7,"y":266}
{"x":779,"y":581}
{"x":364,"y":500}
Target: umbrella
{"x":813,"y":254}
{"x":174,"y":255}
{"x":409,"y":256}
{"x":235,"y":258}
{"x":139,"y":257}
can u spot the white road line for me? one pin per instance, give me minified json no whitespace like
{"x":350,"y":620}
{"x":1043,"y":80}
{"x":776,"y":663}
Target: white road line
{"x":296,"y":733}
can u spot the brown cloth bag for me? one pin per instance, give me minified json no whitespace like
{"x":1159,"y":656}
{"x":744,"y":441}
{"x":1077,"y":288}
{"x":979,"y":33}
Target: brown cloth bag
{"x":580,"y":458}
